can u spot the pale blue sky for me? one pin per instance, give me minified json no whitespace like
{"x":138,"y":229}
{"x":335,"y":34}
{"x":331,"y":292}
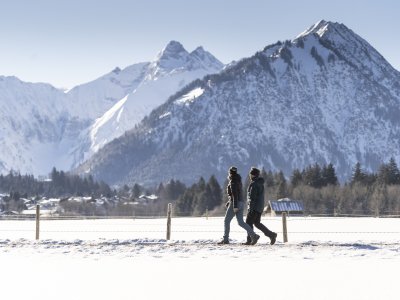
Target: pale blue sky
{"x":70,"y":42}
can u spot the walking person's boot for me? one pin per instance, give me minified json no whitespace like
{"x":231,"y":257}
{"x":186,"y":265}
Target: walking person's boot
{"x":273,"y":238}
{"x":223,"y":242}
{"x":248,"y":242}
{"x":254,"y":239}
{"x":272,"y":235}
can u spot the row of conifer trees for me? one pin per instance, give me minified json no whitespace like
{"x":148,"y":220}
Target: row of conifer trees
{"x":365,"y":193}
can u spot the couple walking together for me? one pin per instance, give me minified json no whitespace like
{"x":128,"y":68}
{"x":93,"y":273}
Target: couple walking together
{"x":235,"y":206}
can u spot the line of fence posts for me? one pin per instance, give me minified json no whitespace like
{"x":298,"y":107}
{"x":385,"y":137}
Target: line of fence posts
{"x":169,"y":215}
{"x":169,"y":211}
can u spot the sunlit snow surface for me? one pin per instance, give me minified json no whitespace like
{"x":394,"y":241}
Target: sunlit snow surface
{"x":325,"y":258}
{"x":189,"y":97}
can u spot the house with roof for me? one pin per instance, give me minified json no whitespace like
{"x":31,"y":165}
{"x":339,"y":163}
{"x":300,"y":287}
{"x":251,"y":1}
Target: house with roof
{"x":147,"y":199}
{"x":277,"y":207}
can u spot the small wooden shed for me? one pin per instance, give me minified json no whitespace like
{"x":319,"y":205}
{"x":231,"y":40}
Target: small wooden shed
{"x":277,"y":207}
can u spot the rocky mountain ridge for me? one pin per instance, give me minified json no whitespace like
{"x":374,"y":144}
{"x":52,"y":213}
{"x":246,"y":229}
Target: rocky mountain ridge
{"x":325,"y":96}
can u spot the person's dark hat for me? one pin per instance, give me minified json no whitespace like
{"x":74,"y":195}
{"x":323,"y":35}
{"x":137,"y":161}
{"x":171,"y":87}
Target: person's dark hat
{"x":232,"y":170}
{"x":254,"y":171}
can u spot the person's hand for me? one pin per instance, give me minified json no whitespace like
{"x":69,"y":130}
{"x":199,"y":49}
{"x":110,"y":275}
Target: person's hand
{"x":235,"y":210}
{"x":227,"y":204}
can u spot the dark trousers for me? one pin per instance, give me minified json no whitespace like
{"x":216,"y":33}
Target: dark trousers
{"x":254,"y":218}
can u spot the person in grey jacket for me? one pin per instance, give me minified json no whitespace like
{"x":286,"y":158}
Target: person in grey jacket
{"x":255,"y":198}
{"x":235,"y":207}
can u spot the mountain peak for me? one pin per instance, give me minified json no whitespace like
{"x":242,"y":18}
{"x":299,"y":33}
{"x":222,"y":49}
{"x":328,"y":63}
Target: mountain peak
{"x":205,"y":58}
{"x":173,"y":49}
{"x":174,"y":56}
{"x":174,"y":46}
{"x":201,"y":52}
{"x":342,"y":40}
{"x":199,"y":49}
{"x":322,"y":27}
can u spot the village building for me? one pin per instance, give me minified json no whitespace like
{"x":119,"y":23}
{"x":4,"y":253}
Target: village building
{"x":277,"y":207}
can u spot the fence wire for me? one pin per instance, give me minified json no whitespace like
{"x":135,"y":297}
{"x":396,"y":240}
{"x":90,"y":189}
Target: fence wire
{"x":143,"y":226}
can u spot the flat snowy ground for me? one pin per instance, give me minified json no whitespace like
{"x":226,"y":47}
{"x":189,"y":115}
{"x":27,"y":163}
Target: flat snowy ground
{"x":325,"y":258}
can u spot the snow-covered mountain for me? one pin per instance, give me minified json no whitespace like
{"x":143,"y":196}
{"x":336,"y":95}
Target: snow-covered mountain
{"x":94,"y":98}
{"x":171,"y":70}
{"x":325,"y":96}
{"x":37,"y":126}
{"x":42,"y":126}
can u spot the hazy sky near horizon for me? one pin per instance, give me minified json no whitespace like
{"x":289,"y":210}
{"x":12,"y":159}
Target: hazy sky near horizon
{"x":69,"y":42}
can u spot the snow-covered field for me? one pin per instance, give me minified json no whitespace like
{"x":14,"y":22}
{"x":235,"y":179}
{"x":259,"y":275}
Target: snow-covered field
{"x":325,"y":258}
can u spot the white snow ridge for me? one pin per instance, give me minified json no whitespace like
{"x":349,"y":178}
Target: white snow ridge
{"x":191,"y":96}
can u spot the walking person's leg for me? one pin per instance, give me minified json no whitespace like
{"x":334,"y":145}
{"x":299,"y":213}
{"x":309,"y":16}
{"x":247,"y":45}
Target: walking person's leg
{"x":257,"y":222}
{"x":227,"y":223}
{"x":250,"y":222}
{"x":250,"y":232}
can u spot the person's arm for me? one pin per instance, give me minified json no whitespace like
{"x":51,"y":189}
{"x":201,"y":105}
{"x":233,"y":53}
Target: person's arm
{"x":253,"y":196}
{"x":234,"y":193}
{"x":229,"y":191}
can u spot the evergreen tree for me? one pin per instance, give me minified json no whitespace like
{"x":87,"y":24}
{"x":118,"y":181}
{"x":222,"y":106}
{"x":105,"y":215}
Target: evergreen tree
{"x":358,"y":174}
{"x":312,"y":176}
{"x":173,"y":190}
{"x":281,"y":186}
{"x":201,"y":185}
{"x":169,"y":191}
{"x":389,"y":173}
{"x":263,"y":173}
{"x":394,"y":173}
{"x":180,"y":188}
{"x":296,"y":178}
{"x":183,"y":206}
{"x":161,"y":190}
{"x":269,"y":179}
{"x":329,"y":175}
{"x":201,"y":201}
{"x":216,"y":193}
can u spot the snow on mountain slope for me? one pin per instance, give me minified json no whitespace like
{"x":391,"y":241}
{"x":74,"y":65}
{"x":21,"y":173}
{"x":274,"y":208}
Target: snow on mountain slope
{"x":37,"y":123}
{"x":172,"y":69}
{"x":42,"y":127}
{"x":325,"y":96}
{"x":101,"y":94}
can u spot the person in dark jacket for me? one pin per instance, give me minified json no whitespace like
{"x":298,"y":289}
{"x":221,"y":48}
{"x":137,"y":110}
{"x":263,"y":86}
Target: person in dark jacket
{"x":255,"y":198}
{"x":235,"y":207}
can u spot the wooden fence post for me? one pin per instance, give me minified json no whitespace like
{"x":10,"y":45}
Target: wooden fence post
{"x":284,"y":224}
{"x":37,"y":221}
{"x":169,"y":221}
